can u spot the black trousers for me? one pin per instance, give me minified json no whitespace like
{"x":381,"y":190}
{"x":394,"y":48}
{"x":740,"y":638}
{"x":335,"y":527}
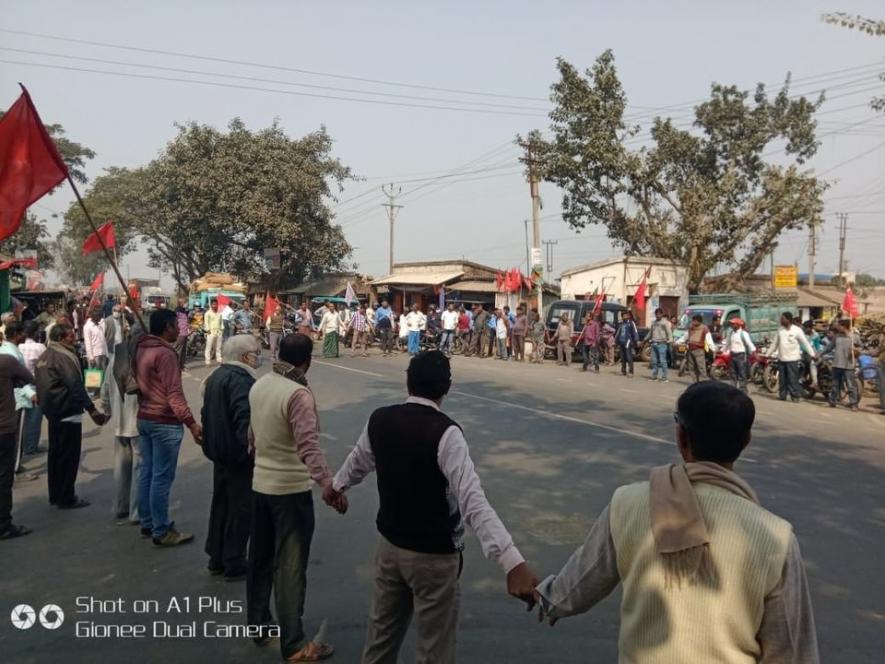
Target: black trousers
{"x":282,"y":529}
{"x":63,"y":460}
{"x":789,"y":380}
{"x":626,"y":358}
{"x":230,"y":517}
{"x":8,"y":459}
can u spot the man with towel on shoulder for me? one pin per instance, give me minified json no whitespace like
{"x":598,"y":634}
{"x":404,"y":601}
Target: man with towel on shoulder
{"x":709,"y":575}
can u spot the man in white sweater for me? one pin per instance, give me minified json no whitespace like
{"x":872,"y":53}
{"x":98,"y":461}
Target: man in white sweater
{"x":708,"y":574}
{"x":789,"y":342}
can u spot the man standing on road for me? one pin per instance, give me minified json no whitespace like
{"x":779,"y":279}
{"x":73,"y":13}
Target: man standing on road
{"x":359,"y":326}
{"x":12,"y":375}
{"x":416,"y":322}
{"x":32,"y":351}
{"x":708,"y":574}
{"x":225,"y":417}
{"x":539,"y":334}
{"x":661,"y":336}
{"x":449,"y":322}
{"x":274,"y":325}
{"x":63,"y":397}
{"x":789,"y":342}
{"x":517,"y":334}
{"x":428,"y":487}
{"x":214,"y":327}
{"x":844,"y":376}
{"x":590,"y":338}
{"x":330,"y":324}
{"x":95,"y":341}
{"x":698,"y":340}
{"x":25,"y":396}
{"x":502,"y":332}
{"x":739,"y":346}
{"x":162,"y":411}
{"x":384,"y":318}
{"x":243,"y":318}
{"x":627,"y":338}
{"x":184,"y":330}
{"x":288,"y":460}
{"x":480,"y":324}
{"x":564,"y":332}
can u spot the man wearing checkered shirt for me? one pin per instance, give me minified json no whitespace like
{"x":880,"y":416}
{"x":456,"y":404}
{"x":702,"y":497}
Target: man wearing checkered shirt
{"x":359,"y":325}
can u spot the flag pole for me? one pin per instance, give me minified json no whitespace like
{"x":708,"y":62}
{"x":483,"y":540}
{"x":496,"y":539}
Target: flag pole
{"x":104,"y":248}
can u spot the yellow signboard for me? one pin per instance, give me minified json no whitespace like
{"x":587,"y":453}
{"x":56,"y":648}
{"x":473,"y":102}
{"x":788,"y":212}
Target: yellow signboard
{"x":786,"y":276}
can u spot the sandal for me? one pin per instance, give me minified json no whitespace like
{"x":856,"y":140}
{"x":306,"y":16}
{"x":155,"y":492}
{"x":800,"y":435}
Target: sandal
{"x":15,"y":531}
{"x":313,"y":652}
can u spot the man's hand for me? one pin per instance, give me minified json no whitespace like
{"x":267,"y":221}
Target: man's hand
{"x":34,"y":400}
{"x":99,"y":418}
{"x":521,"y":582}
{"x":334,"y":499}
{"x":197,"y":433}
{"x":542,"y":614}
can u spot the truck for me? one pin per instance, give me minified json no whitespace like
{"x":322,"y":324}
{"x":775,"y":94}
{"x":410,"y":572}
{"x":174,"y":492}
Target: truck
{"x":761,"y":312}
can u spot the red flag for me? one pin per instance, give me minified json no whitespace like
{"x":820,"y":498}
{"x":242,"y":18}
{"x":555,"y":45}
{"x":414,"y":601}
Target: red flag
{"x":639,"y":298}
{"x":97,"y":285}
{"x":849,"y":304}
{"x":515,"y":280}
{"x":106,"y":233}
{"x":499,"y":281}
{"x":271,"y":304}
{"x":597,"y":306}
{"x":223,"y":301}
{"x":30,"y":165}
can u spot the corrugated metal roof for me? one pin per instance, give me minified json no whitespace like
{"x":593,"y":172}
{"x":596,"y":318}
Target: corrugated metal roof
{"x":473,"y":286}
{"x":418,"y":278}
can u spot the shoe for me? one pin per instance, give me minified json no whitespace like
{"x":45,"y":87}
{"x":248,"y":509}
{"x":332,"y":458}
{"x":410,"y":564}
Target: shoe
{"x":146,"y":533}
{"x":664,"y":380}
{"x":173,"y":538}
{"x":14,"y":531}
{"x":24,"y":476}
{"x":122,"y":515}
{"x":77,"y":504}
{"x":215,"y":569}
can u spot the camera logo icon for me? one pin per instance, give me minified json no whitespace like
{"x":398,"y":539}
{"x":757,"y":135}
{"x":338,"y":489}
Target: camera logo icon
{"x":51,"y":616}
{"x":23,"y":616}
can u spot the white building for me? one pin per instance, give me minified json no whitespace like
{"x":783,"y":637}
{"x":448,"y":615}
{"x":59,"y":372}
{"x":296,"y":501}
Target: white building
{"x":619,"y":278}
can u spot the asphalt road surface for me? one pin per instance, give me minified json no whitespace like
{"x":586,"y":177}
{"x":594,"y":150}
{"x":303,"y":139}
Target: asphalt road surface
{"x":550,"y":444}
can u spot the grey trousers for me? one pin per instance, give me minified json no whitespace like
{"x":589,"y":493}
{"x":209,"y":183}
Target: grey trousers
{"x":127,"y":459}
{"x":407,"y":583}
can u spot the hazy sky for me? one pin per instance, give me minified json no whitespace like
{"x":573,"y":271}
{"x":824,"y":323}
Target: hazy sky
{"x":667,"y":55}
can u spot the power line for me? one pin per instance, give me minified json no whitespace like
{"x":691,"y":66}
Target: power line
{"x":262,"y":89}
{"x":851,"y":159}
{"x":247,"y":63}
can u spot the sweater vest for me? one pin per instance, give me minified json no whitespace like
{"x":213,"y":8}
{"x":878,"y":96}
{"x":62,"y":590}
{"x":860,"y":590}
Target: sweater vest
{"x":278,"y":468}
{"x":715,"y":621}
{"x":416,"y":509}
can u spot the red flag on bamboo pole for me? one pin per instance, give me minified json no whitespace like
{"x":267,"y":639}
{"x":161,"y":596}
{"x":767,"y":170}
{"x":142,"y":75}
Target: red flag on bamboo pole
{"x":849,"y":304}
{"x":106,"y":233}
{"x":97,"y":285}
{"x":639,"y":298}
{"x":271,"y":304}
{"x":30,"y":164}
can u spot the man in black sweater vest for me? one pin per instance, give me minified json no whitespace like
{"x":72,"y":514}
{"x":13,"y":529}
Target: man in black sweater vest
{"x":428,"y":488}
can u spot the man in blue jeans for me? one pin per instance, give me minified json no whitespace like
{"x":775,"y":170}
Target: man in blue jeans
{"x":162,"y":412}
{"x":661,"y":336}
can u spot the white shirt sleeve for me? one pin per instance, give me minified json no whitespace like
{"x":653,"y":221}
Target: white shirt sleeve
{"x":457,"y":466}
{"x":359,"y":463}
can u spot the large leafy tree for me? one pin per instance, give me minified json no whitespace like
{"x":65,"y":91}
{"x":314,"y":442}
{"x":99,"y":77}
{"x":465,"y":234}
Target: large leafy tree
{"x":705,"y":194}
{"x":871,"y":26}
{"x":33,"y":233}
{"x":214,"y":200}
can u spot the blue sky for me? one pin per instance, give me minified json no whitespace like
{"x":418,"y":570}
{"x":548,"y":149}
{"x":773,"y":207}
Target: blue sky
{"x":667,"y":55}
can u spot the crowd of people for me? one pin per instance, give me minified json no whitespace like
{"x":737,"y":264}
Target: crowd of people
{"x":663,"y":539}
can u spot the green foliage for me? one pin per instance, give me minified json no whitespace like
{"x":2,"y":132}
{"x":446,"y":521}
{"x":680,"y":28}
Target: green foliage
{"x":856,"y":22}
{"x":705,"y":195}
{"x":32,"y":234}
{"x":864,"y":280}
{"x":215,"y":200}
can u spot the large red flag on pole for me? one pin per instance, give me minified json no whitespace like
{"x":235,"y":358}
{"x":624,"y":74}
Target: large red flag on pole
{"x":97,"y":285}
{"x":639,"y":298}
{"x":106,"y":233}
{"x":30,"y":164}
{"x":271,"y":304}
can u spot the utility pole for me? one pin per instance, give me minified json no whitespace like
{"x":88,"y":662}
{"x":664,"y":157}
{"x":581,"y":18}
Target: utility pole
{"x":528,"y":255}
{"x":535,"y":261}
{"x":812,"y":253}
{"x":843,"y":231}
{"x":549,"y":246}
{"x":391,"y":213}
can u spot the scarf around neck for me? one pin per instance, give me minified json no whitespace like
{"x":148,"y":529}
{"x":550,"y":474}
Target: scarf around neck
{"x":677,"y":523}
{"x":286,"y":370}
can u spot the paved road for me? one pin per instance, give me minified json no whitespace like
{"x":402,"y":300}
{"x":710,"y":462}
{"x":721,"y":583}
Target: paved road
{"x":550,"y":443}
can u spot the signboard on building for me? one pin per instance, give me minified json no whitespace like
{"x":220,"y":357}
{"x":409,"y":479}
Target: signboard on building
{"x":786,"y":276}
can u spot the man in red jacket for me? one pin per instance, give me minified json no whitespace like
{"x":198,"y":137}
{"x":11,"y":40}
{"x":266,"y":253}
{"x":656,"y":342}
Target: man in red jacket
{"x":162,"y":412}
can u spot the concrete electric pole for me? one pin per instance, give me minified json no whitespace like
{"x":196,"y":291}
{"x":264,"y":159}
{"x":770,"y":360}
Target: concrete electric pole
{"x":535,"y":262}
{"x":843,"y":231}
{"x":391,"y":213}
{"x":812,"y":253}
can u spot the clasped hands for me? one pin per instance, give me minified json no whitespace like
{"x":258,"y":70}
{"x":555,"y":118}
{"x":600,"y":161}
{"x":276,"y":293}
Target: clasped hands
{"x":334,"y":499}
{"x":521,"y":583}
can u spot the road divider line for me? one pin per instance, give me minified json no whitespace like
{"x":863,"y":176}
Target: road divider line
{"x":341,"y":366}
{"x":567,"y":418}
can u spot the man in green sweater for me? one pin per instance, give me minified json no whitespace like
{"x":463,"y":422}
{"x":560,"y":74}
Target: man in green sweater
{"x":708,"y":574}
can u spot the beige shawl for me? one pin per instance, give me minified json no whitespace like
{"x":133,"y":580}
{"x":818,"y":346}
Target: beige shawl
{"x":677,"y":522}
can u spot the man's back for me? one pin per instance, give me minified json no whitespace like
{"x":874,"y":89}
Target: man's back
{"x":711,"y":621}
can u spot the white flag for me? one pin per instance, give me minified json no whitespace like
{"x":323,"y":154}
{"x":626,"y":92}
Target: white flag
{"x":350,"y":294}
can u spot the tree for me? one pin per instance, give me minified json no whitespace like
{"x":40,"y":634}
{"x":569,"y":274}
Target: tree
{"x":871,"y":26}
{"x":215,"y":200}
{"x":33,"y":233}
{"x":704,"y":196}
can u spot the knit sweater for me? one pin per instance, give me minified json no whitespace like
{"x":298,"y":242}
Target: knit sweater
{"x":714,"y":621}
